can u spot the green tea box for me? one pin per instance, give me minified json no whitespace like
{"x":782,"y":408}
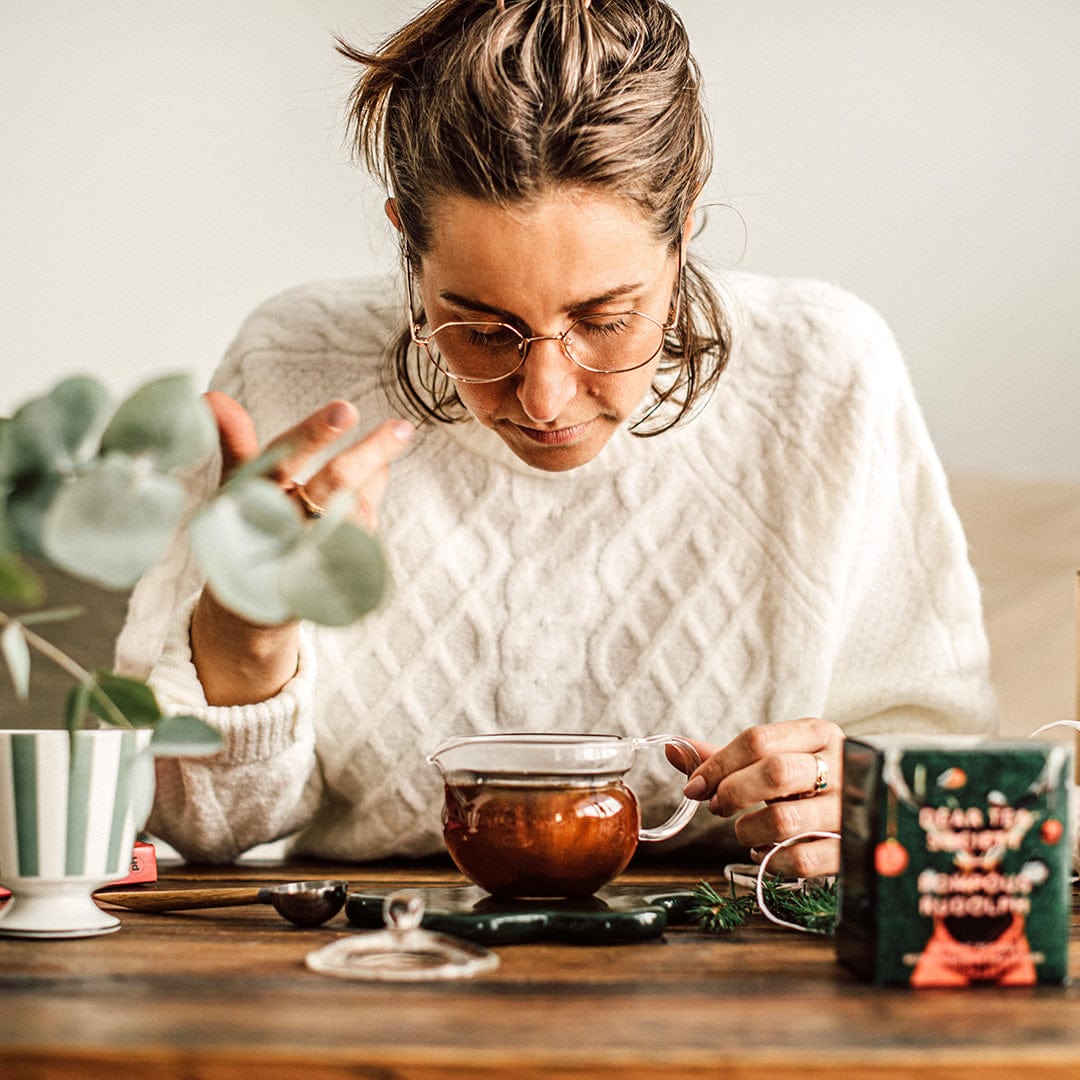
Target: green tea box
{"x":955,"y":861}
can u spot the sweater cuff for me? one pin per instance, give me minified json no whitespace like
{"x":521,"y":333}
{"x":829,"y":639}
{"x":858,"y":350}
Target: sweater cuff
{"x":251,"y":733}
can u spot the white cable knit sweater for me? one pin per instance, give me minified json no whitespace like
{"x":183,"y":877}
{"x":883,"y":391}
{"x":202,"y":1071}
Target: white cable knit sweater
{"x":791,"y":551}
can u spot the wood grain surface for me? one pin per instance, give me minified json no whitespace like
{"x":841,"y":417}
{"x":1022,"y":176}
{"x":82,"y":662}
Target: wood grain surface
{"x":209,"y":995}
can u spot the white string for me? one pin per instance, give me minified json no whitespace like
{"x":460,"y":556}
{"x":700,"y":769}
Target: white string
{"x":765,"y":862}
{"x":1075,"y":725}
{"x":1074,"y":792}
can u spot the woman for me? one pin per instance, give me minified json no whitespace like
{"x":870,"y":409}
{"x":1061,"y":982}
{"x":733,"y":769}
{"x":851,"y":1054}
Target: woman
{"x":628,"y":496}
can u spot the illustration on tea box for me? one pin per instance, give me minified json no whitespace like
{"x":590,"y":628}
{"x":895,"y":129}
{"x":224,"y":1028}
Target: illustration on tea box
{"x":955,"y":864}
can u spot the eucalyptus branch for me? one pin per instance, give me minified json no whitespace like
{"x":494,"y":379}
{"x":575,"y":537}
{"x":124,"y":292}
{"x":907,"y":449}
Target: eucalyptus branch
{"x":49,"y":650}
{"x":71,"y":667}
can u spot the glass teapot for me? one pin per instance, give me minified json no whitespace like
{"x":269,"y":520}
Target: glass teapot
{"x":530,"y":815}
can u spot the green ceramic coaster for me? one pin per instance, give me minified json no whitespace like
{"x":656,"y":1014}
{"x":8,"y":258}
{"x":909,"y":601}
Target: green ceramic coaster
{"x":616,"y":914}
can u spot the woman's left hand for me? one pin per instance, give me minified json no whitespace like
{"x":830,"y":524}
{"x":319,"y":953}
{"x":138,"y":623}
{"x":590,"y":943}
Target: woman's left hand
{"x":794,"y":768}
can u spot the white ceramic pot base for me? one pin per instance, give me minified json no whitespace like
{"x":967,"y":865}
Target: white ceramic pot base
{"x":55,"y":910}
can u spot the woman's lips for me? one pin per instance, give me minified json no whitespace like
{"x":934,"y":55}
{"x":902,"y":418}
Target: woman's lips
{"x":558,"y":437}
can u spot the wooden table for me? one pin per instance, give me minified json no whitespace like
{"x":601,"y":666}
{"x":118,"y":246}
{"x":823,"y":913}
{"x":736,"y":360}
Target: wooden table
{"x":222,"y":994}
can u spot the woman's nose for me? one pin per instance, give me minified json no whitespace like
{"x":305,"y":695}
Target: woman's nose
{"x":547,"y":381}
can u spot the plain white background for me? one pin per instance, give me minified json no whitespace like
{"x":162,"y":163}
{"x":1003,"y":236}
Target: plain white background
{"x":165,"y":165}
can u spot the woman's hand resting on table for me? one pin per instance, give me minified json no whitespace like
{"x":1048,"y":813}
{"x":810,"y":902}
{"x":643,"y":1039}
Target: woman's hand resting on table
{"x":240,"y":662}
{"x":794,"y":769}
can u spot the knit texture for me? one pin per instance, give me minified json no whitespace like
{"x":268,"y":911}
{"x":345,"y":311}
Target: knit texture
{"x":791,"y":551}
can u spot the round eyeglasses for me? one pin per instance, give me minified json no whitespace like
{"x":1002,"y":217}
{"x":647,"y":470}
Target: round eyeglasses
{"x":482,"y":352}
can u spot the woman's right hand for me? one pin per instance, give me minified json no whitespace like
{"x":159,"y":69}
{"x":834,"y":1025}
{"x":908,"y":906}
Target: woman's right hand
{"x":240,"y":662}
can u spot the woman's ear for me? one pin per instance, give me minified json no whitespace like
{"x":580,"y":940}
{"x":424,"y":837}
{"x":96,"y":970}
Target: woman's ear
{"x":390,"y":209}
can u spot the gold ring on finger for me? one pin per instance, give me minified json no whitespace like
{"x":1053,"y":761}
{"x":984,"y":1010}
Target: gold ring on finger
{"x":311,"y":507}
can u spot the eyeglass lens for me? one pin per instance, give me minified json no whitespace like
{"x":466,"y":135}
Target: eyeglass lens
{"x":488,"y":351}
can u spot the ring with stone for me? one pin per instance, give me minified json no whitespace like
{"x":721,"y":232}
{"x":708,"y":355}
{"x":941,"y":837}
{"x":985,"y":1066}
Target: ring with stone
{"x":821,"y":778}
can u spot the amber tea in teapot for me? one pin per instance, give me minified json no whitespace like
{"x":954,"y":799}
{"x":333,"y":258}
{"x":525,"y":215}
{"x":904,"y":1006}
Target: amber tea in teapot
{"x":545,"y":815}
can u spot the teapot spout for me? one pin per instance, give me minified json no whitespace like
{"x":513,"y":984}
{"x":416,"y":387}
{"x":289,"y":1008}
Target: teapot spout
{"x":434,"y":757}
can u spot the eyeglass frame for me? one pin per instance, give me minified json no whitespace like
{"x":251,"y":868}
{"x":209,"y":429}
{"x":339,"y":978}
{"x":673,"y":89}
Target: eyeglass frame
{"x":525,"y":341}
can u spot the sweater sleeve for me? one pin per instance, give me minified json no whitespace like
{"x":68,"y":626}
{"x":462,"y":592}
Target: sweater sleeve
{"x":910,"y":651}
{"x":264,"y":783}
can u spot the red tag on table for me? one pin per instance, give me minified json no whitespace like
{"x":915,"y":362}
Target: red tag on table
{"x":143,"y":868}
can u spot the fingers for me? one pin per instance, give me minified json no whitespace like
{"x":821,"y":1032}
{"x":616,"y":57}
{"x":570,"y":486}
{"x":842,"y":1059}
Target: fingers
{"x":313,"y":434}
{"x":783,"y":780}
{"x":806,"y":859}
{"x":769,"y":747}
{"x":240,"y":442}
{"x":362,"y":469}
{"x":776,"y":778}
{"x":682,"y":760}
{"x":773,"y":823}
{"x":236,"y":431}
{"x":788,"y":819}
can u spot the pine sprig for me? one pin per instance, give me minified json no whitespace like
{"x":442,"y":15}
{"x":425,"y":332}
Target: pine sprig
{"x":813,"y":905}
{"x":715,"y":913}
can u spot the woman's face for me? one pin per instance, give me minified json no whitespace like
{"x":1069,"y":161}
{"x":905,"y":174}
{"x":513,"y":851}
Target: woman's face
{"x":539,"y":267}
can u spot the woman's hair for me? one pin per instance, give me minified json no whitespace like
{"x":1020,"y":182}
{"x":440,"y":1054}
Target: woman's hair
{"x":505,"y":100}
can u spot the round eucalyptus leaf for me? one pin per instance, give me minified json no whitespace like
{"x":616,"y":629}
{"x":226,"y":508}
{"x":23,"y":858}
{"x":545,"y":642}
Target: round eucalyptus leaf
{"x":17,"y":657}
{"x":25,"y":512}
{"x":239,"y":539}
{"x":113,"y":521}
{"x":165,"y":420}
{"x":184,"y":736}
{"x":54,"y":433}
{"x":131,"y":697}
{"x":84,"y":404}
{"x":333,"y":576}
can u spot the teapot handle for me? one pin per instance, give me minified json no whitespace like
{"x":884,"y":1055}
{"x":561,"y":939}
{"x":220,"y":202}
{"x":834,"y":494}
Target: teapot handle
{"x":685,"y":810}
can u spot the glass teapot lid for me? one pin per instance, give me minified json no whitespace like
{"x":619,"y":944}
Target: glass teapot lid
{"x":535,"y":754}
{"x":404,"y":951}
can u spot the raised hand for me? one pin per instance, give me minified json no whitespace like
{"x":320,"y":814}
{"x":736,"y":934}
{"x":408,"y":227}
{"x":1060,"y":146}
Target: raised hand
{"x":782,"y":779}
{"x":240,"y":662}
{"x":362,"y":468}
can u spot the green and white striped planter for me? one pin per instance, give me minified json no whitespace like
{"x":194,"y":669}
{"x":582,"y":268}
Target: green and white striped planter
{"x":69,"y":812}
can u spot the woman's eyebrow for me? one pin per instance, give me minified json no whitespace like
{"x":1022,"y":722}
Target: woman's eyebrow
{"x":468,"y":303}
